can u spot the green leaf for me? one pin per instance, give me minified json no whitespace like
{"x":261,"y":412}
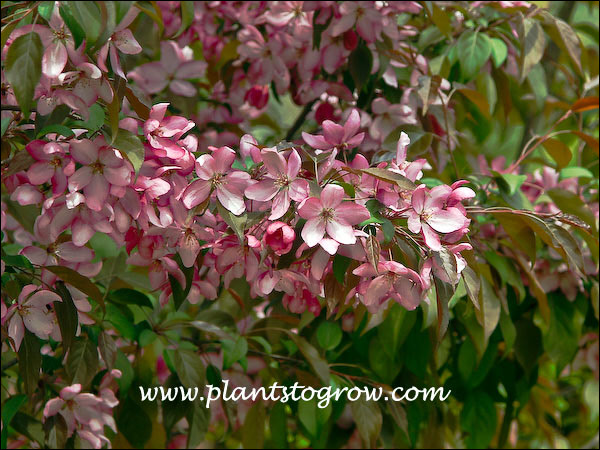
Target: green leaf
{"x":66,"y":314}
{"x":560,"y":152}
{"x":568,"y":41}
{"x":472,"y":285}
{"x":75,"y":28}
{"x":278,"y":425}
{"x":130,"y":297}
{"x":82,"y":362}
{"x":478,"y":100}
{"x":190,"y":369}
{"x":506,"y":269}
{"x":340,"y":267}
{"x":571,"y":203}
{"x":561,"y":340}
{"x":88,"y":16}
{"x":360,"y":63}
{"x":391,"y":177}
{"x":131,"y":147}
{"x":509,"y":182}
{"x":329,"y":335}
{"x":533,"y":43}
{"x":108,"y":350}
{"x":96,"y":120}
{"x":9,"y":409}
{"x":488,"y":313}
{"x":478,"y":419}
{"x":474,"y":49}
{"x":30,"y":361}
{"x":5,"y":122}
{"x":519,"y":231}
{"x":45,"y":10}
{"x":23,"y":68}
{"x":187,"y":16}
{"x":368,"y":420}
{"x":509,"y":332}
{"x":575,"y":172}
{"x":233,"y":351}
{"x":78,"y":281}
{"x":198,"y":418}
{"x":318,"y":364}
{"x":528,"y":344}
{"x":499,"y":51}
{"x":237,"y":223}
{"x":133,"y":422}
{"x":253,"y":428}
{"x":29,"y":427}
{"x":441,"y":19}
{"x":56,"y":128}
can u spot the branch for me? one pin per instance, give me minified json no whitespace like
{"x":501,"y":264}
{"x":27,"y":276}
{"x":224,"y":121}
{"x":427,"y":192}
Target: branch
{"x":300,"y":120}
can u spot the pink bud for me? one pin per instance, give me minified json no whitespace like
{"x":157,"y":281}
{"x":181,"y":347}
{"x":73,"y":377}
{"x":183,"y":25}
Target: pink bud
{"x":280,"y":237}
{"x":324,"y":112}
{"x":350,"y":40}
{"x":258,"y":96}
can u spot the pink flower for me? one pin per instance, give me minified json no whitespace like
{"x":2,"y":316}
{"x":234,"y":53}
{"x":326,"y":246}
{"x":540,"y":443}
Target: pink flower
{"x":163,"y":133}
{"x":52,"y":164}
{"x":329,"y":214}
{"x":123,"y":40}
{"x":302,"y":300}
{"x":280,"y":237}
{"x":392,"y":280}
{"x":104,"y":167}
{"x":388,"y":117}
{"x":364,"y":15}
{"x":175,"y":67}
{"x":428,"y":216}
{"x":84,"y":412}
{"x":281,"y":183}
{"x":30,"y":312}
{"x":334,"y":135}
{"x":212,"y":171}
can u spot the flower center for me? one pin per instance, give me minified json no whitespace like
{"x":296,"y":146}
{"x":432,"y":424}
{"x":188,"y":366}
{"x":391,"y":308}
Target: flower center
{"x":217,"y":180}
{"x":328,"y":214}
{"x":282,"y":181}
{"x":60,"y":34}
{"x":97,"y":167}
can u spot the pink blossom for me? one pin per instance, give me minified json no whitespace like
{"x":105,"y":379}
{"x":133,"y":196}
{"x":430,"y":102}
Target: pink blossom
{"x":280,"y":237}
{"x":52,"y":164}
{"x":280,"y":184}
{"x":30,"y":312}
{"x":337,"y":136}
{"x":85,"y":413}
{"x":212,"y":172}
{"x":392,"y":280}
{"x":104,"y":168}
{"x":330,"y":214}
{"x":364,"y":15}
{"x":428,"y":216}
{"x":175,"y":67}
{"x":163,"y":133}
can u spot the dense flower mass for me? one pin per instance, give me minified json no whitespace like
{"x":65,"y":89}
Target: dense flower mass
{"x":226,"y":191}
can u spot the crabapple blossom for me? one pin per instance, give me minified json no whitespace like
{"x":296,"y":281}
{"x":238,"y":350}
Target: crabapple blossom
{"x":337,"y":136}
{"x":330,"y":214}
{"x":30,"y":312}
{"x":429,"y":217}
{"x":281,"y":183}
{"x":104,"y":168}
{"x":212,"y":170}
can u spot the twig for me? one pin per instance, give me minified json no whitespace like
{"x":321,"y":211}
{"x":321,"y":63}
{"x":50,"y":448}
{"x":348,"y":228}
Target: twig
{"x":300,"y":120}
